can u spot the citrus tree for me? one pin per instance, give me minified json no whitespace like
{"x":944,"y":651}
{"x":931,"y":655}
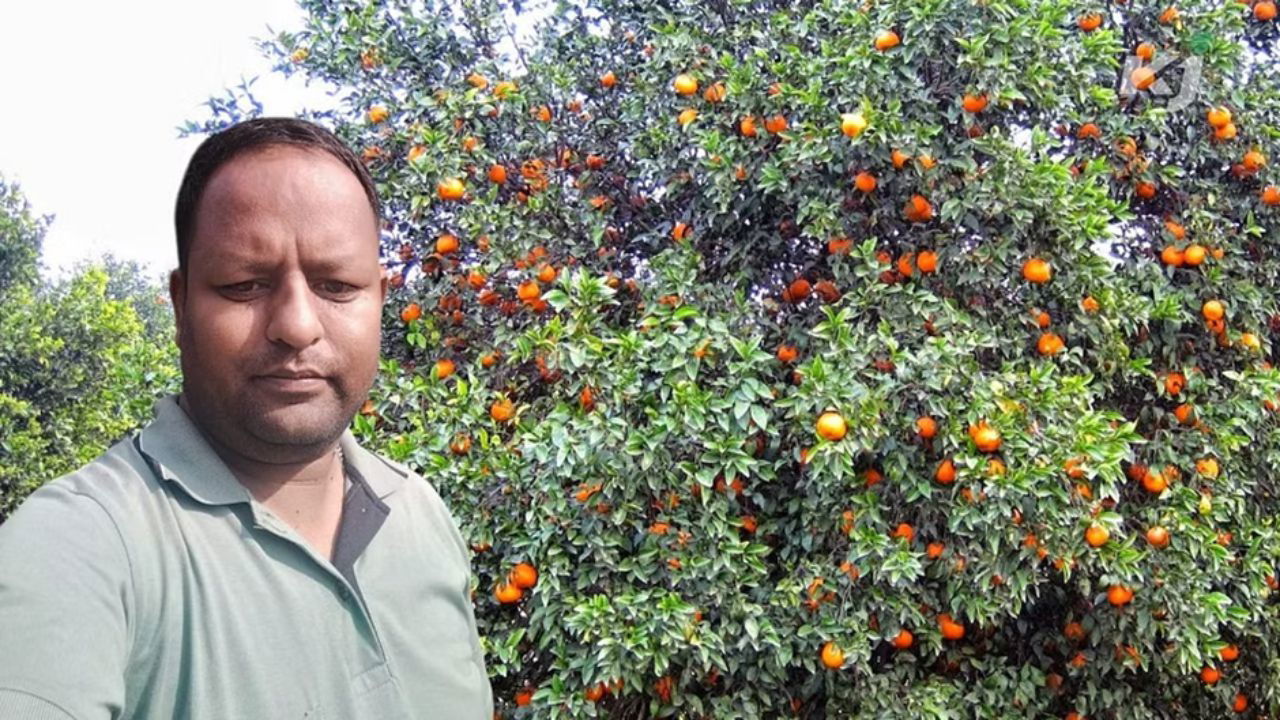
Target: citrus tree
{"x":832,"y":359}
{"x":81,"y":359}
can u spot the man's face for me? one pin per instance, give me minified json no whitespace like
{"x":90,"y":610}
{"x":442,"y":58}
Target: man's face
{"x":279,"y":316}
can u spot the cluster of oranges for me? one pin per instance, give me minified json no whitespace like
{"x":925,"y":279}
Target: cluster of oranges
{"x":522,"y":577}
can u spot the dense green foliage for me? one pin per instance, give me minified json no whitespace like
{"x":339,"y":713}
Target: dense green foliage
{"x":698,"y":543}
{"x":79,"y":369}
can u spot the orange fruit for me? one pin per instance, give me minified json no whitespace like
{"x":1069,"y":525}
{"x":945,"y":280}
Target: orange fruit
{"x":951,"y":630}
{"x":1194,"y":255}
{"x":831,"y":426}
{"x":378,"y":114}
{"x":832,"y":656}
{"x":1089,"y":304}
{"x":547,"y":274}
{"x":411,"y":312}
{"x":1037,"y":270}
{"x":903,"y":640}
{"x":886,"y":39}
{"x":946,"y":472}
{"x":507,"y":594}
{"x":776,"y":124}
{"x":926,"y":427}
{"x":524,"y":576}
{"x":1183,"y":413}
{"x":528,"y":291}
{"x":450,"y":189}
{"x":1145,"y":190}
{"x":1096,"y":536}
{"x":799,"y":289}
{"x":974,"y":103}
{"x":1090,"y":22}
{"x":1210,"y":675}
{"x":1271,"y":195}
{"x":1172,"y":256}
{"x":523,"y":697}
{"x":685,"y":84}
{"x":1050,"y":344}
{"x":748,"y":126}
{"x":1229,"y":653}
{"x":461,"y":444}
{"x":899,"y":158}
{"x":1074,"y":631}
{"x":446,"y":244}
{"x":904,"y":531}
{"x":1042,"y":319}
{"x":865,"y":181}
{"x":444,"y":367}
{"x":918,"y":209}
{"x":1226,"y":132}
{"x":1208,"y":467}
{"x":1264,"y":11}
{"x":1143,"y":77}
{"x":852,"y":124}
{"x":498,"y":174}
{"x":986,"y":438}
{"x":715,"y":93}
{"x":787,"y":354}
{"x":1169,"y":16}
{"x":1212,"y":310}
{"x":687,"y":116}
{"x":906,"y":264}
{"x":1119,"y":595}
{"x":502,"y":410}
{"x":1253,"y":161}
{"x":680,"y":231}
{"x":935,"y":550}
{"x":1158,"y":537}
{"x":1088,"y":130}
{"x":1240,"y":703}
{"x":1174,"y":383}
{"x":594,"y":693}
{"x":1154,"y":482}
{"x":608,"y":79}
{"x":1219,"y":117}
{"x":927,"y":261}
{"x":1145,"y":50}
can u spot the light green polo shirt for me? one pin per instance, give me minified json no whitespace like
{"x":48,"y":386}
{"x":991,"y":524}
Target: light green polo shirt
{"x":150,"y":585}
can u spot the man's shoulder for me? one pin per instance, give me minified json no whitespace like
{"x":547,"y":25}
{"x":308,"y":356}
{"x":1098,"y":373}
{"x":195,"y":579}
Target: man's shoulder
{"x":116,"y":479}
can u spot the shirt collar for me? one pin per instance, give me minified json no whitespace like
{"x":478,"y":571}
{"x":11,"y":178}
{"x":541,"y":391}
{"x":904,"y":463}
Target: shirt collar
{"x":180,"y":454}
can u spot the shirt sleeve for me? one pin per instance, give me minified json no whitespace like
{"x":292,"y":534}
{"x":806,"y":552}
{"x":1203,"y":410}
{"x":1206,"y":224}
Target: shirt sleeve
{"x":65,"y":584}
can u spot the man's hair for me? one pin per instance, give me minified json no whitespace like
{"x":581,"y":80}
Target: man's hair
{"x":220,"y":148}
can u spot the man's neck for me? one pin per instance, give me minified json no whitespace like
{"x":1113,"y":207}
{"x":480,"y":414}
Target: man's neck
{"x":307,"y":495}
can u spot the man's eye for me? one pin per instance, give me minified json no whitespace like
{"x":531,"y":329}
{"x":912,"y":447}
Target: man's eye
{"x":336,"y":287}
{"x":243,"y":288}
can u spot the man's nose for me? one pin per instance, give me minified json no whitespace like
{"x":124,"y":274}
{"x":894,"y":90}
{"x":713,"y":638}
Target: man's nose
{"x":295,"y":315}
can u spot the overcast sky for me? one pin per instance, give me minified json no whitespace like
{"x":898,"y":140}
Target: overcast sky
{"x":93,"y":94}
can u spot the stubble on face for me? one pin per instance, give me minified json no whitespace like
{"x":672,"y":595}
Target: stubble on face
{"x":283,"y":278}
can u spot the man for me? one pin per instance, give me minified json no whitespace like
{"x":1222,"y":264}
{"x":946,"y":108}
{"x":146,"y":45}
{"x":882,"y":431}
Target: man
{"x":242,"y":556}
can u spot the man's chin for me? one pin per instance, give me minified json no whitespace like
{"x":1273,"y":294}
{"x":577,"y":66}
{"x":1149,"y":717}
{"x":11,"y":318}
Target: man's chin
{"x":298,"y":425}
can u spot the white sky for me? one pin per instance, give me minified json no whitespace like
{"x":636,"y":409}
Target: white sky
{"x":93,"y":95}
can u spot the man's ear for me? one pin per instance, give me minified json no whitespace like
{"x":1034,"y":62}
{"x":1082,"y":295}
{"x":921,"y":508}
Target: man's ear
{"x":177,"y":299}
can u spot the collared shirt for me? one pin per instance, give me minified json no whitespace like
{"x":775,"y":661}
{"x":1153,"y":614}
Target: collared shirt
{"x":149,"y":584}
